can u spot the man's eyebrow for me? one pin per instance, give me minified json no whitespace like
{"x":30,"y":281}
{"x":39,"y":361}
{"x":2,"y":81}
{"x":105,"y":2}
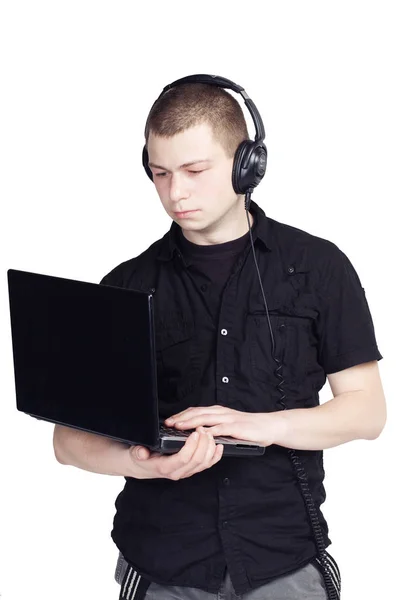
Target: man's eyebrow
{"x":188,"y":164}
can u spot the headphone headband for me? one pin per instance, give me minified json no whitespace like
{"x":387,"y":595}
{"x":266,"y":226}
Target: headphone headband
{"x":228,"y":84}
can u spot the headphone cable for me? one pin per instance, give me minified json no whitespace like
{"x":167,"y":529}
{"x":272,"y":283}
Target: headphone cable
{"x":328,"y":567}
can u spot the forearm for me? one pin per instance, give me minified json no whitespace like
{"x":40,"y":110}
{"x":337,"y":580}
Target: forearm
{"x":91,"y":452}
{"x":339,"y":420}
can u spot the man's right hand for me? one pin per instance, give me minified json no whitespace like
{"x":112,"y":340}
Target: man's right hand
{"x":195,"y":456}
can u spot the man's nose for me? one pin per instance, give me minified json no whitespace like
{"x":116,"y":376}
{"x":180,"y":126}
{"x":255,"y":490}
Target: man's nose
{"x":177,"y":188}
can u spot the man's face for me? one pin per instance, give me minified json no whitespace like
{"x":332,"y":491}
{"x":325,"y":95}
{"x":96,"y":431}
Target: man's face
{"x":203,"y":187}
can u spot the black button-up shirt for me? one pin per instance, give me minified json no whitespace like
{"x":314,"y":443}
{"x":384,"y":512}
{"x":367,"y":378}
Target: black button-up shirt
{"x":213,"y":347}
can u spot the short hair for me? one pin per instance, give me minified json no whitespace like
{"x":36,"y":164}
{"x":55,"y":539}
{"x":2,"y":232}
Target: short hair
{"x":190,"y":104}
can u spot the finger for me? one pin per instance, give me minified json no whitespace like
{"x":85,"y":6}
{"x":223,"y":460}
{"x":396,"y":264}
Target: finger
{"x":200,"y":457}
{"x":209,"y":449}
{"x":211,"y":455}
{"x":200,"y":454}
{"x":141,"y":452}
{"x":219,"y":451}
{"x":181,"y":459}
{"x":208,"y":420}
{"x":178,"y":464}
{"x":197,"y":411}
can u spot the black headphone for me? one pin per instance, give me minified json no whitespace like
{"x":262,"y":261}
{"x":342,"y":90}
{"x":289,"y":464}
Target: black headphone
{"x":250,"y":160}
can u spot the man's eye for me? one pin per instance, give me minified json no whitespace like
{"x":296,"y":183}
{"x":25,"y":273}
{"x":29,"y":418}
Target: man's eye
{"x":163,"y":174}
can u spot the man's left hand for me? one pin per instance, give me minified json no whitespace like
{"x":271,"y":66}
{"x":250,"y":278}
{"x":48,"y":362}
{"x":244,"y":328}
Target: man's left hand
{"x":261,"y":428}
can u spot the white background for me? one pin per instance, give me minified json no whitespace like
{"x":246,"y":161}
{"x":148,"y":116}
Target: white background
{"x":77,"y":81}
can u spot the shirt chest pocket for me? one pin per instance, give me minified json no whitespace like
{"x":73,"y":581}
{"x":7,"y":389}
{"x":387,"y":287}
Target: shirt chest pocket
{"x":295,"y":346}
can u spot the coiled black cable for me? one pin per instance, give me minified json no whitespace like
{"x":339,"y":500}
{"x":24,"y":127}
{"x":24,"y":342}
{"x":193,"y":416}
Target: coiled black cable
{"x":327,"y":565}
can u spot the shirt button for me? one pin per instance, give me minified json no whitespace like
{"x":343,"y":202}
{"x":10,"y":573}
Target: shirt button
{"x":224,"y":524}
{"x":282,"y":327}
{"x":203,"y":287}
{"x":290,"y":269}
{"x":226,"y":481}
{"x":225,"y":380}
{"x":224,"y":332}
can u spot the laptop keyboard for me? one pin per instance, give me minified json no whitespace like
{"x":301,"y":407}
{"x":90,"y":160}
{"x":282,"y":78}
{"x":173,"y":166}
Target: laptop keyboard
{"x":172,"y":431}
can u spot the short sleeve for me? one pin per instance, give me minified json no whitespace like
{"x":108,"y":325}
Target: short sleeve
{"x":106,"y":280}
{"x":113,"y":278}
{"x":124,"y":275}
{"x":346,"y":335}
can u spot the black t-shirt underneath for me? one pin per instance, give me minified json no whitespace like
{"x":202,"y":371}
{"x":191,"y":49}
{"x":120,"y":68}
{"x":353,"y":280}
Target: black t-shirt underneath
{"x":210,"y":266}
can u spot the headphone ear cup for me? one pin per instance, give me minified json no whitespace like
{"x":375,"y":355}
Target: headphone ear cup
{"x":249,"y":166}
{"x":145,"y":162}
{"x":238,"y":162}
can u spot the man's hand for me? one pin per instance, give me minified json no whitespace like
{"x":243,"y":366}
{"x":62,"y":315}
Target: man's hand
{"x":262,"y":428}
{"x":198,"y":453}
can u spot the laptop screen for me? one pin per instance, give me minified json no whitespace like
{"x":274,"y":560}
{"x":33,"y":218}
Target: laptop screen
{"x":84,"y":355}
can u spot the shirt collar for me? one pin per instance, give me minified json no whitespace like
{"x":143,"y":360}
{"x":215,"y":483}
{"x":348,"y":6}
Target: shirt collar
{"x":262,"y":229}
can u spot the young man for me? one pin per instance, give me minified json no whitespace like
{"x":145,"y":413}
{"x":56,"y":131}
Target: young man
{"x":191,"y":525}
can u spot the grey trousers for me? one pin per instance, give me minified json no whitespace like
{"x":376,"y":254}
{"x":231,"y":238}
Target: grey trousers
{"x":304,"y":584}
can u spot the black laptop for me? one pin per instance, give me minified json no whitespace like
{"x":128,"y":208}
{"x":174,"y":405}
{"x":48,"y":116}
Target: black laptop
{"x":84,"y":357}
